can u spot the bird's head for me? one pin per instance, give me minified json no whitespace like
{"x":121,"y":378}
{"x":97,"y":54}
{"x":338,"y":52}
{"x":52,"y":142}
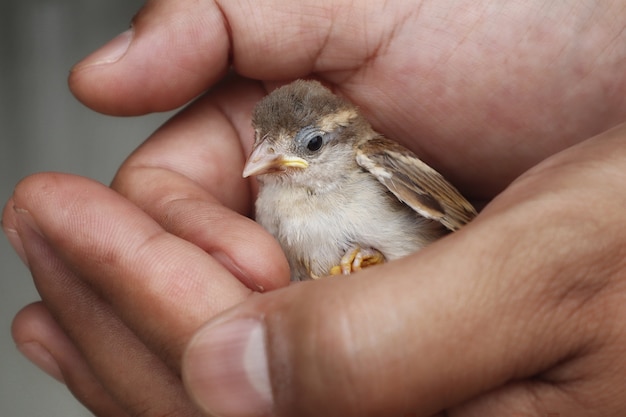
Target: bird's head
{"x":304,"y":133}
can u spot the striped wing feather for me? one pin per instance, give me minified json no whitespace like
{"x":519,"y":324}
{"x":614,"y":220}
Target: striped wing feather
{"x":414,"y":183}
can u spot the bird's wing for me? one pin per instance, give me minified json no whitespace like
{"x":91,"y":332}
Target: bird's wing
{"x":414,"y":183}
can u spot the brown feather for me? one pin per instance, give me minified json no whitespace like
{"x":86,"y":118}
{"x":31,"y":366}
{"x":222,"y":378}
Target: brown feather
{"x":413,"y":182}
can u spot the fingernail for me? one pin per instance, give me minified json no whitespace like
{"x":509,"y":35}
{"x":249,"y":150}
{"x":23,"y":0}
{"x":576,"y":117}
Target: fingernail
{"x":109,"y":53}
{"x":234,"y":269}
{"x":28,"y":233}
{"x":16,"y":242}
{"x":41,"y":357}
{"x":24,"y":218}
{"x":226,"y":370}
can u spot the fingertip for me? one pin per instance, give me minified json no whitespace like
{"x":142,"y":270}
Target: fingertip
{"x":42,"y":341}
{"x":35,"y":192}
{"x":259,"y":277}
{"x":32,"y":329}
{"x":255,"y":257}
{"x":238,"y":385}
{"x":172,"y":52}
{"x":9,"y":227}
{"x":110,"y":53}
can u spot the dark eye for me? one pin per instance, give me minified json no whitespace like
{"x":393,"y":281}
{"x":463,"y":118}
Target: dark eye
{"x":315,"y":143}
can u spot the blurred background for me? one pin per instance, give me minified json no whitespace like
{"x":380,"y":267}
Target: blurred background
{"x":43,"y":128}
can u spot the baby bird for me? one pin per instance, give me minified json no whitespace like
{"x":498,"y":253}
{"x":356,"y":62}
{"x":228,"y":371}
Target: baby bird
{"x":337,"y":195}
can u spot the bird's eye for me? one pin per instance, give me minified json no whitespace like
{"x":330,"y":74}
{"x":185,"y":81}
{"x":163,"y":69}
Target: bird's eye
{"x":315,"y":143}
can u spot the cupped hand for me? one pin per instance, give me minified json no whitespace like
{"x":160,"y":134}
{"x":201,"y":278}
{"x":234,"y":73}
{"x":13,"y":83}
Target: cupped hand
{"x":489,"y":86}
{"x":481,"y":91}
{"x":520,"y":313}
{"x":130,"y":273}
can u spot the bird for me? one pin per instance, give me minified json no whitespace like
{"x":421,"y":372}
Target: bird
{"x":337,"y":195}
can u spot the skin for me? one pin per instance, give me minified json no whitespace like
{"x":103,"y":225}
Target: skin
{"x":518,"y":314}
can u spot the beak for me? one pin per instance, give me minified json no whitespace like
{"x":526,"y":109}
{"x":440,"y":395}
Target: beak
{"x":264,"y":159}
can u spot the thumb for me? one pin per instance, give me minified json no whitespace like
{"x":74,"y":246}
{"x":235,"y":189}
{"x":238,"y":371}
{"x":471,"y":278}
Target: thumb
{"x":414,"y":336}
{"x":176,"y":49}
{"x":172,"y":52}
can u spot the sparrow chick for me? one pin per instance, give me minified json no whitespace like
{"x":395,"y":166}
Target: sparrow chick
{"x":337,"y":195}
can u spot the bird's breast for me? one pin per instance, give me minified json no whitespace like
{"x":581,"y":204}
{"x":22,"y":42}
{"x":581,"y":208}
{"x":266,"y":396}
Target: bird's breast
{"x":311,"y":228}
{"x":316,"y":229}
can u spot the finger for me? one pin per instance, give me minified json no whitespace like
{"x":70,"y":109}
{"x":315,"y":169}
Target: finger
{"x":137,"y":379}
{"x":462,"y":94}
{"x":43,"y":342}
{"x":177,"y":49}
{"x":187,"y":176}
{"x":172,"y":52}
{"x":161,"y":286}
{"x":511,"y":297}
{"x":471,"y":101}
{"x":529,"y":399}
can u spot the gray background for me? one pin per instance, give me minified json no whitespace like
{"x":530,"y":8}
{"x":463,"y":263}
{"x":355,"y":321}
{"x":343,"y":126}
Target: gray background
{"x":43,"y":128}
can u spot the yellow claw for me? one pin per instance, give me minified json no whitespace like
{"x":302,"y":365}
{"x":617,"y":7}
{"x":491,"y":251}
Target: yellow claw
{"x":356,"y":259}
{"x":369,"y":259}
{"x":335,"y":270}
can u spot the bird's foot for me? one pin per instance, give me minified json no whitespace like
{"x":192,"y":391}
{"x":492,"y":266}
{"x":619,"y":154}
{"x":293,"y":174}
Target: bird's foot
{"x":356,"y":259}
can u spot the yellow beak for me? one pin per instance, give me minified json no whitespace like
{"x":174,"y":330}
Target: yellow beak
{"x":264,"y":160}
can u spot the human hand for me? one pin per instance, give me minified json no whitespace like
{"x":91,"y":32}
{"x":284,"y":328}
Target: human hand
{"x":519,"y":314}
{"x":550,"y":116}
{"x":122,"y":271}
{"x":503,"y":85}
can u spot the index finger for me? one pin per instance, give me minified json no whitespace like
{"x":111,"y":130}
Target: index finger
{"x":187,"y":176}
